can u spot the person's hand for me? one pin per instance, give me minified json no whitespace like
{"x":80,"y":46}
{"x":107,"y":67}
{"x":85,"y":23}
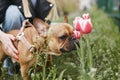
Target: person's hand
{"x":6,"y":40}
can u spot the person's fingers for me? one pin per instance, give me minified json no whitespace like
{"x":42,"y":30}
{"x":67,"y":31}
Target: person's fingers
{"x":12,"y":53}
{"x":11,"y":45}
{"x":15,"y":51}
{"x":11,"y":37}
{"x":15,"y":56}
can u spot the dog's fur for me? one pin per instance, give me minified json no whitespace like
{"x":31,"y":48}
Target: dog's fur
{"x":57,"y":39}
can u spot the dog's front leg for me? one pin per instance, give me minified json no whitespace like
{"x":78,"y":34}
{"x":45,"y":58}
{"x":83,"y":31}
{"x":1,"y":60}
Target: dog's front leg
{"x":24,"y":71}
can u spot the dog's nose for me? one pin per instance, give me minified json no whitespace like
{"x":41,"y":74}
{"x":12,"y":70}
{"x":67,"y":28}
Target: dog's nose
{"x":72,"y":39}
{"x":62,"y":50}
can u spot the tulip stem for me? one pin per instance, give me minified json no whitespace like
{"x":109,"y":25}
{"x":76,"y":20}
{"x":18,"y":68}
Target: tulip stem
{"x":90,"y":64}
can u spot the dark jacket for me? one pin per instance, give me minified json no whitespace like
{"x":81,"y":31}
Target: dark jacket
{"x":40,"y":10}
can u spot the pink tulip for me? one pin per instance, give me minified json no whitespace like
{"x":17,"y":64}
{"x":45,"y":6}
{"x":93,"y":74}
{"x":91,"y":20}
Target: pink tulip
{"x":83,"y":24}
{"x":77,"y":34}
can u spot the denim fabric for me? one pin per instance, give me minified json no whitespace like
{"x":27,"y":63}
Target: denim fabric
{"x":8,"y":64}
{"x":13,"y":19}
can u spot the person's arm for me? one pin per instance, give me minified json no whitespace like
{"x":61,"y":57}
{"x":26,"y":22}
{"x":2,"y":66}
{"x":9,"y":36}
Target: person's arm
{"x":6,"y":40}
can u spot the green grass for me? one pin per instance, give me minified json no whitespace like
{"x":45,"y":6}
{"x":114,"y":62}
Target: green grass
{"x":96,"y":59}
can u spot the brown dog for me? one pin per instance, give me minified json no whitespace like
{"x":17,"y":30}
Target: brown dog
{"x":57,"y":38}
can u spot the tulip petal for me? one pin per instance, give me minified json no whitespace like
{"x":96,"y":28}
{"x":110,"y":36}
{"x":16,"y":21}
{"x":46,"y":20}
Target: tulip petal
{"x":88,"y":28}
{"x":77,"y":26}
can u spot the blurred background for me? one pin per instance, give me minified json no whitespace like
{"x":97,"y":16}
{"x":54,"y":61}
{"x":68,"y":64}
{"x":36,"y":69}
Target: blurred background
{"x":98,"y":57}
{"x":110,"y":7}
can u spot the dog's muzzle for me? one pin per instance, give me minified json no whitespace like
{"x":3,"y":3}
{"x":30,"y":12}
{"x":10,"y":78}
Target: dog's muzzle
{"x":71,"y":45}
{"x":76,"y":42}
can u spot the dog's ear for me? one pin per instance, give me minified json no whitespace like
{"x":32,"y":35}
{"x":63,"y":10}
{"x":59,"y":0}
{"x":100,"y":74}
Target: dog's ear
{"x":40,"y":26}
{"x":65,"y":17}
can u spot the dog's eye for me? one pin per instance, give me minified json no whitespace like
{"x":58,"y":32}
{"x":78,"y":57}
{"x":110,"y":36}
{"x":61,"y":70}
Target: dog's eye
{"x":63,"y":37}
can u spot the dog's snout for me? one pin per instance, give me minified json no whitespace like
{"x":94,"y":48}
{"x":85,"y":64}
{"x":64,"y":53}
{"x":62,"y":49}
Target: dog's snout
{"x":72,"y":39}
{"x":76,"y":41}
{"x":62,"y":50}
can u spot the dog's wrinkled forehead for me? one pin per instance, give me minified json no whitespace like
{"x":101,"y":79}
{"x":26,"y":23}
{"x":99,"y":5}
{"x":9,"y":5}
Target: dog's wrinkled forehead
{"x":61,"y":28}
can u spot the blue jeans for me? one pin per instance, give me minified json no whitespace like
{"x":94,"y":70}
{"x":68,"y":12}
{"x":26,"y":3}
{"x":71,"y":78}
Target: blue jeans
{"x":13,"y":19}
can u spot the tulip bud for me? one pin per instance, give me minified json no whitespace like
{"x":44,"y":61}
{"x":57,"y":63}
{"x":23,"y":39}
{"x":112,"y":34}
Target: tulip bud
{"x":77,"y":34}
{"x":83,"y":24}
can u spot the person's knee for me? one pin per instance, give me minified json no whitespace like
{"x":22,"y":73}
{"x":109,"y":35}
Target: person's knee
{"x":13,"y":18}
